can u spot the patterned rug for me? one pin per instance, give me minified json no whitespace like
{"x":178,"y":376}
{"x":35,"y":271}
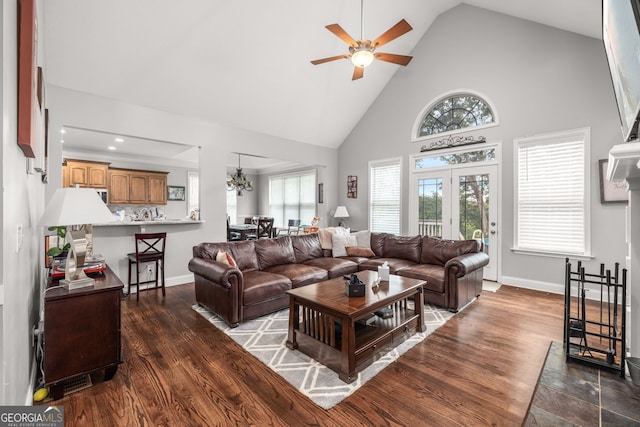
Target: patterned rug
{"x":265,"y":338}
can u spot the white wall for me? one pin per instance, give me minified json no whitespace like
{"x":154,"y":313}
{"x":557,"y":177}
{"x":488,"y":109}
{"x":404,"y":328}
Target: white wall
{"x":540,"y":79}
{"x":21,"y":206}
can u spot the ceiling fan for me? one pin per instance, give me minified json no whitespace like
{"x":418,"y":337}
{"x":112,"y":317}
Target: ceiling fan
{"x":363,"y":52}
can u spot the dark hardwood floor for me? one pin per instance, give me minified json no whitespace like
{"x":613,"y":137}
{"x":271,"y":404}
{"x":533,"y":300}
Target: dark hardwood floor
{"x":480,"y":368}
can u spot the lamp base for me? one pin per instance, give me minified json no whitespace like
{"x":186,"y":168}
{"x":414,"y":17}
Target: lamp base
{"x":77,"y":283}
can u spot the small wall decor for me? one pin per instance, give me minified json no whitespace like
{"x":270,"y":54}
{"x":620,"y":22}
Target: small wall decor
{"x":352,"y":187}
{"x":321,"y":193}
{"x":611,"y":192}
{"x":175,"y":192}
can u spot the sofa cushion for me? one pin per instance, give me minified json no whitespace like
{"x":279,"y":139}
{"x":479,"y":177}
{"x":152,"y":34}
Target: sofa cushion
{"x":403,"y":247}
{"x":261,"y":285}
{"x":272,"y":252}
{"x":299,"y":274}
{"x":306,"y":246}
{"x":432,"y":274}
{"x":359,"y":251}
{"x":395,"y":264}
{"x":377,"y":243}
{"x":341,"y":241}
{"x":245,"y":255}
{"x":209,"y":250}
{"x":336,"y":267}
{"x":439,"y":251}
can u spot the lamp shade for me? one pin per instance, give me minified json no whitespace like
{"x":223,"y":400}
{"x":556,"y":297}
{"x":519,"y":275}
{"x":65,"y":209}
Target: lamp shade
{"x":341,"y":212}
{"x":75,"y":206}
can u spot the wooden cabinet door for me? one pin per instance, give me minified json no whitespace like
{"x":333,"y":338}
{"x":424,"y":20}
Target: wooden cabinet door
{"x":138,"y":188}
{"x":78,"y":174}
{"x":158,"y":189}
{"x":98,"y":177}
{"x":118,"y":187}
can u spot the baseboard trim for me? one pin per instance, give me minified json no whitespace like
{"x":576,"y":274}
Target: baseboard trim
{"x":535,"y":285}
{"x":172,"y":281}
{"x":593,"y":293}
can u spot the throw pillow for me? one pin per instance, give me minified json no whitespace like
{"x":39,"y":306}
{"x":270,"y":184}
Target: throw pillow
{"x":226,"y":258}
{"x":340,"y":241}
{"x":364,"y":238}
{"x":324,"y":234}
{"x":361,"y":251}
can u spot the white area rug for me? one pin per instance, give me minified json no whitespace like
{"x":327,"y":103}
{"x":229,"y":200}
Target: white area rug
{"x":265,"y":338}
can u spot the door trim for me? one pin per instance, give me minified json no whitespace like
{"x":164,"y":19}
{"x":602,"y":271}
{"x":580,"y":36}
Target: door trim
{"x":413,"y":171}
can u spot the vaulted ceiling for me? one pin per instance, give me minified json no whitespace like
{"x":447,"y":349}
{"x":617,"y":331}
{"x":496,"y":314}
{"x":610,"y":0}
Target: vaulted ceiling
{"x":246,"y":63}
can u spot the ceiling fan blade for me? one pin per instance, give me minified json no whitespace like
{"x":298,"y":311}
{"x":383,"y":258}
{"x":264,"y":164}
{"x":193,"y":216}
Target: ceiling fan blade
{"x":333,"y":58}
{"x":358,"y":72}
{"x":342,"y":34}
{"x":392,"y":33}
{"x":393,"y":58}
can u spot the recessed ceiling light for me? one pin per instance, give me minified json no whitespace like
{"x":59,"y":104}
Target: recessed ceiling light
{"x":62,"y":131}
{"x":119,"y":140}
{"x":112,"y":148}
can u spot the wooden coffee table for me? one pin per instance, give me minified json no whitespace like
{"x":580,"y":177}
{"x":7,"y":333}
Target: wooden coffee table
{"x":340,"y":332}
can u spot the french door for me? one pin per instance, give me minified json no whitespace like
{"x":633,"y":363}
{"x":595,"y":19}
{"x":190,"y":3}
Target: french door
{"x":458,"y":203}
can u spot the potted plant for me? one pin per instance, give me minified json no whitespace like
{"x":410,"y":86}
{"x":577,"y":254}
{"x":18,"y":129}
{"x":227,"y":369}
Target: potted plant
{"x":57,"y":251}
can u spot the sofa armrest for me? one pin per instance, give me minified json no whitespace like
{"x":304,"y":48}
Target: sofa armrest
{"x":214,"y":271}
{"x":465,"y":264}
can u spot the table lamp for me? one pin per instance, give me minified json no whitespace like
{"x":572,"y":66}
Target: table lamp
{"x":75,"y":207}
{"x":341,"y":212}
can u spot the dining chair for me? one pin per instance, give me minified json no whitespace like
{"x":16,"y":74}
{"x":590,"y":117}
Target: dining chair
{"x":264,"y":229}
{"x":231,"y":235}
{"x":149,"y":248}
{"x":293,"y":227}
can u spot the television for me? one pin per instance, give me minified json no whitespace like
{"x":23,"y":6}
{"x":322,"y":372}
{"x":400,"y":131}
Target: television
{"x":621,"y":37}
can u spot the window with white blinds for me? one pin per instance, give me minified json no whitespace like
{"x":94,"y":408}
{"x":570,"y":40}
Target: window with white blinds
{"x":193,"y":191}
{"x":292,"y":196}
{"x":232,"y":205}
{"x":384,"y":196}
{"x":552,"y":193}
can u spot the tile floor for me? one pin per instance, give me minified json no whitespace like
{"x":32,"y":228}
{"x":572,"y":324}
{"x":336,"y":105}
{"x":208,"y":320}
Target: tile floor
{"x":576,"y":394}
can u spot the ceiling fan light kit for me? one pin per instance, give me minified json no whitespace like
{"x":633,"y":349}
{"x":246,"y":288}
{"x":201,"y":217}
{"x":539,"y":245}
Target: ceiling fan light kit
{"x":362,"y":52}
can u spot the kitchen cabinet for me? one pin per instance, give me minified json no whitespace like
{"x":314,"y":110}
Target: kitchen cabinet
{"x":81,"y":331}
{"x":137,"y":187}
{"x":85,"y":173}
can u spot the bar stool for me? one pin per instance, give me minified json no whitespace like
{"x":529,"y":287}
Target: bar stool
{"x":149,"y":248}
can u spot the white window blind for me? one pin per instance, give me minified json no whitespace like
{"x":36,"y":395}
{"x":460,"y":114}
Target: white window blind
{"x":232,"y":205}
{"x":193,"y":191}
{"x":384,"y":196}
{"x":551,"y":193}
{"x":292,"y":197}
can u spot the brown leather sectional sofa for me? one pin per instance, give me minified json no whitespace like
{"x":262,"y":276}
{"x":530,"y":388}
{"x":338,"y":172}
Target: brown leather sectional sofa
{"x":267,"y":268}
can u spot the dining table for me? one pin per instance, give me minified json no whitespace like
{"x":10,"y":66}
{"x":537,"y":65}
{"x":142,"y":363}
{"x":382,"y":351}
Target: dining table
{"x":243,"y":229}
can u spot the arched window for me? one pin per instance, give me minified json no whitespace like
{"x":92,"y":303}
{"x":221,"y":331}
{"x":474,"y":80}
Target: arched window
{"x":454,"y":112}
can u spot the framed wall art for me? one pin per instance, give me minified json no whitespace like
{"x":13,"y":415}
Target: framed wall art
{"x":175,"y":192}
{"x":27,"y":77}
{"x":352,"y":187}
{"x":611,"y":192}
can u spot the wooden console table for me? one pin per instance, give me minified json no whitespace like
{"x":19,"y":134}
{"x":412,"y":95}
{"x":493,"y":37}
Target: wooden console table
{"x":81,"y":331}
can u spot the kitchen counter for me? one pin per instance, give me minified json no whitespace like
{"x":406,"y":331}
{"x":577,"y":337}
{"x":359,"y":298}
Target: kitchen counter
{"x":159,"y":222}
